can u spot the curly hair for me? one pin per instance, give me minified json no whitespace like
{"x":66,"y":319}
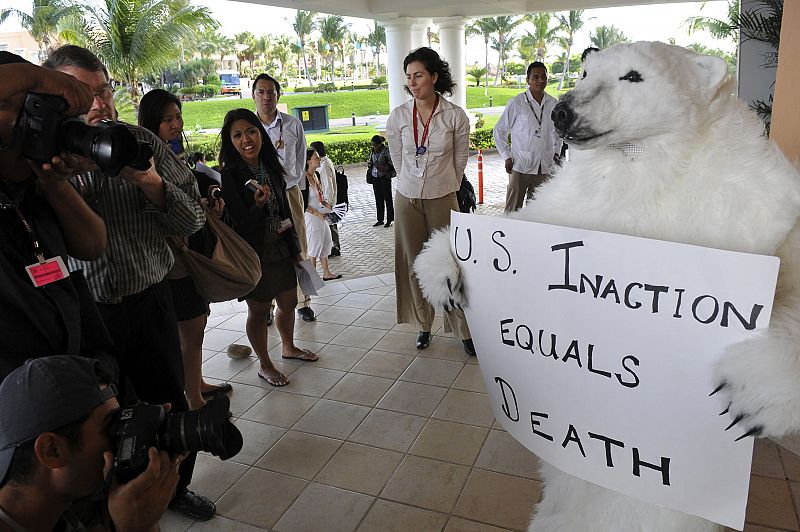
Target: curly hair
{"x":228,"y":155}
{"x":434,"y":65}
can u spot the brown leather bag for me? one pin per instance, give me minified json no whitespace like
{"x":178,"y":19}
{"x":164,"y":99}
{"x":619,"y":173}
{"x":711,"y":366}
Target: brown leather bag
{"x":230,"y":270}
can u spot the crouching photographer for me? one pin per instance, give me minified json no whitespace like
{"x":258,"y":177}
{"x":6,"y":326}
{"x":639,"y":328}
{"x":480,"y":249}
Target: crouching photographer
{"x":63,"y":436}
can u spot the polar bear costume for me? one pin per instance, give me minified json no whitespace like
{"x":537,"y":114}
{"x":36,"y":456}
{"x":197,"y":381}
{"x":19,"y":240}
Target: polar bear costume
{"x":667,"y":153}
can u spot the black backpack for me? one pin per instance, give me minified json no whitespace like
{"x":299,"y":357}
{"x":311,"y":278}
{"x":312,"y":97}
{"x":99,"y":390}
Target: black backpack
{"x":341,"y":186}
{"x":466,"y":196}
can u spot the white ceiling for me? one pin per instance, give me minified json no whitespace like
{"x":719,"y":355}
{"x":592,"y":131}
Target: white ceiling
{"x":390,"y":9}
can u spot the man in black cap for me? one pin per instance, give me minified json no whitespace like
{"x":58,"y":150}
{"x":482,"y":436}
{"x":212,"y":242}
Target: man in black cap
{"x":54,"y":448}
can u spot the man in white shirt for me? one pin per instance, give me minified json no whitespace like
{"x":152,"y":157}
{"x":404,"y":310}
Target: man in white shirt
{"x":535,"y":146}
{"x":287,"y":135}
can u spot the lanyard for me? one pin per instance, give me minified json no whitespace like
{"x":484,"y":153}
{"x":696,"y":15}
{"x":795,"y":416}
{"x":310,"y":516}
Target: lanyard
{"x":6,"y":203}
{"x":421,"y":149}
{"x":541,"y":115}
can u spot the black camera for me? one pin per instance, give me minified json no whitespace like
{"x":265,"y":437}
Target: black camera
{"x":136,"y":429}
{"x":45,"y":133}
{"x":214,"y":192}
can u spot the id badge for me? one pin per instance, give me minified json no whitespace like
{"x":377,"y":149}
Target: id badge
{"x":285,"y":225}
{"x":537,"y":133}
{"x":50,"y":271}
{"x":417,"y":171}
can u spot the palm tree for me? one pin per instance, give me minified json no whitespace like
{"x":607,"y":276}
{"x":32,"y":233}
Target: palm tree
{"x":377,"y":41}
{"x":44,"y":20}
{"x":719,"y":29}
{"x":606,"y":36}
{"x":304,"y":24}
{"x":245,"y":44}
{"x":502,"y":49}
{"x":569,"y":24}
{"x":332,"y":29}
{"x":503,"y":27}
{"x":138,"y":38}
{"x":476,"y":72}
{"x":542,"y":35}
{"x":485,"y":28}
{"x":282,"y":52}
{"x":261,"y":47}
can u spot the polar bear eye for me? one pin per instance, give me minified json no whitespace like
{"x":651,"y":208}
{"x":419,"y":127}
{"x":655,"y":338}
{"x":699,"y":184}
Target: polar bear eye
{"x":632,"y":76}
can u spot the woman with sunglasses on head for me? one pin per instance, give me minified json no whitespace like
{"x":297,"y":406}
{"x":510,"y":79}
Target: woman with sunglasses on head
{"x":160,"y":112}
{"x":255,"y":194}
{"x":429,"y":146}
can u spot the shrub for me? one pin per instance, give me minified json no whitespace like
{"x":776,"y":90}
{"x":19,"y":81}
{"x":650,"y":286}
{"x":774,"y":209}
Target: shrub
{"x":479,"y":121}
{"x":481,"y":139}
{"x":325,"y":87}
{"x":380,"y":81}
{"x":208,"y":144}
{"x":349,"y":151}
{"x":304,"y":89}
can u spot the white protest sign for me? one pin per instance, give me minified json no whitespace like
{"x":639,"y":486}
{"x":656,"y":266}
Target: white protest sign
{"x":596,"y":350}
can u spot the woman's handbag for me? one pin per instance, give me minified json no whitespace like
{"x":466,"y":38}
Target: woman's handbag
{"x":228,"y":270}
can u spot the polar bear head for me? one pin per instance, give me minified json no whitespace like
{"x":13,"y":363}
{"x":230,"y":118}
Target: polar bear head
{"x":636,"y":92}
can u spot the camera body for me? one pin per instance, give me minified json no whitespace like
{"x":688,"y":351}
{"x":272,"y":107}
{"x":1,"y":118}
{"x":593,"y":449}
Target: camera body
{"x":46,"y":132}
{"x":136,"y":429}
{"x":214,"y":192}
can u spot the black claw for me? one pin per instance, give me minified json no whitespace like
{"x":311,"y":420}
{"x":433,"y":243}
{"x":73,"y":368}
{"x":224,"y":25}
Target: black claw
{"x":449,"y":286}
{"x":726,"y":409}
{"x":721,"y":386}
{"x":755,"y":431}
{"x":452,"y":303}
{"x":735,"y":421}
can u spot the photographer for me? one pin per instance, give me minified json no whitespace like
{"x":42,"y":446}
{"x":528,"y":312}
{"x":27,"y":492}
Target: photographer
{"x":59,"y":316}
{"x":55,"y":417}
{"x":140,"y":207}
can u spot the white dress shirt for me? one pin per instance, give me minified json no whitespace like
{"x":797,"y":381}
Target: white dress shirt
{"x":327,"y":178}
{"x":532,"y":144}
{"x":293,"y":153}
{"x":445,"y":158}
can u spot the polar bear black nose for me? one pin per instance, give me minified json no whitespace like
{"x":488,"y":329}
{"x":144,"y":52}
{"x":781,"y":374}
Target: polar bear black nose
{"x":562,"y":116}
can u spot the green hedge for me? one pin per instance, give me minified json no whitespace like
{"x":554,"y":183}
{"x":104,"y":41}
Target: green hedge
{"x":481,"y":139}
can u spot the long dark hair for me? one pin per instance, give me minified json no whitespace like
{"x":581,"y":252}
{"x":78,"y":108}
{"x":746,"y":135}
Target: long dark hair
{"x":434,"y":65}
{"x":151,"y":108}
{"x":230,"y":158}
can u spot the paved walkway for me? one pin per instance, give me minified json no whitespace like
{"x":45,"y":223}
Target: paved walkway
{"x":368,"y":250}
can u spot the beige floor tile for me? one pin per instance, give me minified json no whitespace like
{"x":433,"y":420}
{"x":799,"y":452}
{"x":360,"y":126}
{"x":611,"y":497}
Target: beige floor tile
{"x":465,"y":407}
{"x":360,"y":468}
{"x":319,"y":331}
{"x":413,"y":398}
{"x":450,"y":442}
{"x":299,"y":454}
{"x":329,"y":300}
{"x":222,"y":367}
{"x":207,"y":354}
{"x":258,"y":438}
{"x":413,"y":328}
{"x":244,"y":396}
{"x":503,"y":454}
{"x":766,"y":461}
{"x":325,"y":508}
{"x":791,"y":464}
{"x":439,"y":491}
{"x":388,"y":516}
{"x":457,"y":524}
{"x":446,"y":348}
{"x":356,"y":300}
{"x":250,"y":376}
{"x":332,"y":419}
{"x":383,"y":364}
{"x":794,"y":488}
{"x":399,"y":342}
{"x":389,"y":430}
{"x":340,"y":315}
{"x":333,"y":288}
{"x":387,"y":278}
{"x":280,"y":408}
{"x":498,"y":499}
{"x":432,"y":371}
{"x":470,"y":379}
{"x":221,"y":524}
{"x":377,"y":319}
{"x":174,"y":522}
{"x":212,"y":477}
{"x":769,"y":504}
{"x":339,"y":357}
{"x":359,"y":389}
{"x":361,"y":337}
{"x":260,"y":497}
{"x":387,"y":303}
{"x":378,"y":290}
{"x":219,"y":339}
{"x":311,"y":380}
{"x":363,"y":283}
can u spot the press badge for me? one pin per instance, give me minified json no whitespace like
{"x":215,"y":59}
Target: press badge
{"x":49,"y":271}
{"x":285,"y":224}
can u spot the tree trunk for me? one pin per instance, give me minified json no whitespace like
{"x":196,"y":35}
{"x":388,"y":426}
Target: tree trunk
{"x":499,"y":60}
{"x":486,"y":79}
{"x":566,"y":65}
{"x":305,"y":63}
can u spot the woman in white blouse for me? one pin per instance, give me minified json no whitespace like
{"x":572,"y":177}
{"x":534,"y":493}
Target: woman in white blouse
{"x":429,"y":144}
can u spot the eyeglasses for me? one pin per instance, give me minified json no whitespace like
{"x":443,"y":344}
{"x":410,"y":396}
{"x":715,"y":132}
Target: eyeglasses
{"x":264,"y":92}
{"x":103,"y":92}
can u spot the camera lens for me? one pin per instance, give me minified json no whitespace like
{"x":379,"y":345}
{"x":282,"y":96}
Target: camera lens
{"x":111,"y":145}
{"x":208,"y":429}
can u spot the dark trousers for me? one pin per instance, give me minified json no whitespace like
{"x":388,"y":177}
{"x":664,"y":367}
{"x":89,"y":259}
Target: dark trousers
{"x":382,"y":186}
{"x":148,"y":349}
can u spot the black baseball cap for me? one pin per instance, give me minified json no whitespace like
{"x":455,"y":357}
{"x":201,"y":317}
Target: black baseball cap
{"x":46,"y":394}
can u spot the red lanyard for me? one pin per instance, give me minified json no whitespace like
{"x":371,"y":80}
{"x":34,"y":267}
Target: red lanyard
{"x":421,"y":149}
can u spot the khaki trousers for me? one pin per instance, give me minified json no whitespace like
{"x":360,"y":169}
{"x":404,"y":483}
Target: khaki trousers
{"x":295,"y":198}
{"x":415,"y":220}
{"x":520,"y":186}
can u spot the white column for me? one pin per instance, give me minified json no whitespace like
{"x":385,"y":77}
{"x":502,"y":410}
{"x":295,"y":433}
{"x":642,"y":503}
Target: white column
{"x":399,"y":41}
{"x":451,"y":37}
{"x":419,"y":33}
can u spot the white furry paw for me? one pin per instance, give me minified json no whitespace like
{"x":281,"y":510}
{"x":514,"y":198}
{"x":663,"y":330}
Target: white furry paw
{"x":759,"y":381}
{"x":438,"y":272}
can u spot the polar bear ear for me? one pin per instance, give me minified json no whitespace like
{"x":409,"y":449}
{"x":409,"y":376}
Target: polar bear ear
{"x":711,"y":71}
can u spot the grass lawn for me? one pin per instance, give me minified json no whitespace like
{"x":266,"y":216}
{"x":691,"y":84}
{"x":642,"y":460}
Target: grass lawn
{"x":210,"y":113}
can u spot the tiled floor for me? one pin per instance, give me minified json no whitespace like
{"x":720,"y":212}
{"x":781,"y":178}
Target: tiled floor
{"x":377,"y":436}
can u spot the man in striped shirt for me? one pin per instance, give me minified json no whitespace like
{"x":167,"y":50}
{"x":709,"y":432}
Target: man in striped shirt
{"x":128,"y":283}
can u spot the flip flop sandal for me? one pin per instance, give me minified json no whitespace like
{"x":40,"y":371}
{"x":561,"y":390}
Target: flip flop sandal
{"x":225,"y":387}
{"x":275,"y":381}
{"x":307,"y":355}
{"x":332,"y":278}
